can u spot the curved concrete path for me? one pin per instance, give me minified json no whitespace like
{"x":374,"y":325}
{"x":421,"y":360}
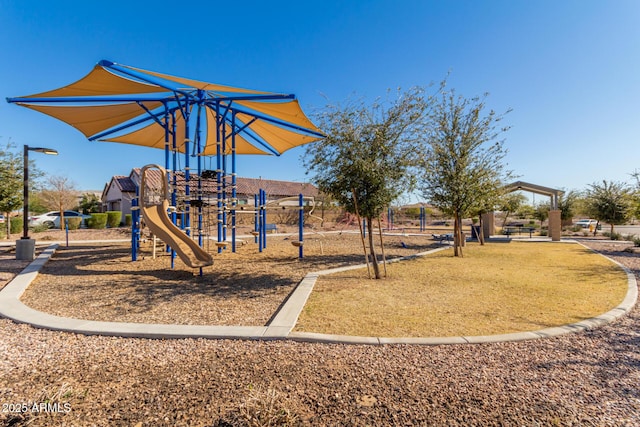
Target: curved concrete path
{"x":279,"y":328}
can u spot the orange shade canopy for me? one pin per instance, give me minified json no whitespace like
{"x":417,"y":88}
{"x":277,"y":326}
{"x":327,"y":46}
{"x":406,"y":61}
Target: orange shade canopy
{"x":120,"y":103}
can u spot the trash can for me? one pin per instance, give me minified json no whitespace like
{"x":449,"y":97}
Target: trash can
{"x":26,"y":249}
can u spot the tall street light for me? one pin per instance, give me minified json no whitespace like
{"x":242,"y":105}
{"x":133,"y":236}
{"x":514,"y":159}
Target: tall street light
{"x":26,"y":247}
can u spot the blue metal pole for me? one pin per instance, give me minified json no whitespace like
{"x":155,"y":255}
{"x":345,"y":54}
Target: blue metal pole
{"x":166,"y":138}
{"x":224,"y":183}
{"x":135,"y":224}
{"x":264,"y":218}
{"x":219,"y":176}
{"x":187,"y":177}
{"x":301,"y":226}
{"x":197,"y":146}
{"x":256,"y":219}
{"x":234,"y":200}
{"x":260,"y":222}
{"x":174,"y":191}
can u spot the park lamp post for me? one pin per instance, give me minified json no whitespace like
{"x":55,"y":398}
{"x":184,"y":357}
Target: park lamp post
{"x":25,"y":247}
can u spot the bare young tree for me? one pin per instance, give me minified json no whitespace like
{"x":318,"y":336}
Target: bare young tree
{"x":60,"y":194}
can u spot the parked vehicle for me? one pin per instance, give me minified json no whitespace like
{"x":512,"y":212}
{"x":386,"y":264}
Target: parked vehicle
{"x":586,"y":223}
{"x":52,"y":219}
{"x":2,"y":220}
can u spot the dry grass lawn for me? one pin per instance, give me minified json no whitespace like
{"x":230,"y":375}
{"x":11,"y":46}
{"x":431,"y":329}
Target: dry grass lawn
{"x":497,"y":288}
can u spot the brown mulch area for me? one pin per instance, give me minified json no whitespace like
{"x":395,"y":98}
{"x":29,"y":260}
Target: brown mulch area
{"x":100,"y":282}
{"x":584,"y":379}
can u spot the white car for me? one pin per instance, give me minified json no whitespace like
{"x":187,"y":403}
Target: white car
{"x":52,"y":219}
{"x":586,"y":223}
{"x":2,"y":220}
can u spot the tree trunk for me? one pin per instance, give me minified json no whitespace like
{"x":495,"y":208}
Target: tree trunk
{"x":61,"y":217}
{"x":372,"y":250}
{"x":595,"y":229}
{"x":7,"y":223}
{"x":481,"y":230}
{"x":506,"y":215}
{"x":457,"y":235}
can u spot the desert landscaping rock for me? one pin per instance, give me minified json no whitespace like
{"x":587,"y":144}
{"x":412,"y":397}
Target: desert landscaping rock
{"x":585,"y":379}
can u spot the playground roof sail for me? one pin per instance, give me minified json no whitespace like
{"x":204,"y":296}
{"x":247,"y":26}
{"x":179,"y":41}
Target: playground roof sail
{"x":119,"y":103}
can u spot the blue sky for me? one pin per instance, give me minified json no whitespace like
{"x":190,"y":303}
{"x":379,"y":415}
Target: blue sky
{"x":570,"y":70}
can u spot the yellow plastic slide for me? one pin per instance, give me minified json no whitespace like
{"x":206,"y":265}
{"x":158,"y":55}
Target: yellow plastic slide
{"x":156,"y":218}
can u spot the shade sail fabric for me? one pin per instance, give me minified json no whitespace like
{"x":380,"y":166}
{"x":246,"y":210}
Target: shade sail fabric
{"x":279,"y":138}
{"x":290,"y":112}
{"x":120,"y":103}
{"x":100,"y":82}
{"x":93,"y":119}
{"x":153,"y":135}
{"x":190,"y":83}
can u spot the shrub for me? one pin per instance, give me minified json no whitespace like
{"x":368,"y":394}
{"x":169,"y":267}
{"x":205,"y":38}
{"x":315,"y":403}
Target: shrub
{"x":73,"y":223}
{"x":128,"y":220}
{"x":263,"y":408}
{"x":97,"y":221}
{"x":612,"y":236}
{"x":113,"y":219}
{"x":16,"y":224}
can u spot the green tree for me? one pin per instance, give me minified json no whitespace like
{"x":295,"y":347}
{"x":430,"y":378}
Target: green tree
{"x":525,"y":211}
{"x":609,"y":202}
{"x":541,"y":212}
{"x":568,"y":204}
{"x":11,"y":184}
{"x":89,"y":203}
{"x":635,"y":203}
{"x":462,"y":164}
{"x":363,"y":162}
{"x":510,"y":203}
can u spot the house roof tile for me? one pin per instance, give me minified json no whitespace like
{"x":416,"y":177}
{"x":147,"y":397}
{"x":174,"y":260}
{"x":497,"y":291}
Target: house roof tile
{"x":245,"y":186}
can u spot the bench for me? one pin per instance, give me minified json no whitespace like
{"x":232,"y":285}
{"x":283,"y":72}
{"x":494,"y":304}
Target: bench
{"x":512,"y":230}
{"x":448,"y":237}
{"x":271,"y":227}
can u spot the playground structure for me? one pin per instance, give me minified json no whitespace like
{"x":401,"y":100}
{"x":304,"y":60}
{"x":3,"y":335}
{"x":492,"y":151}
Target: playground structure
{"x":153,"y":210}
{"x":120,"y":103}
{"x":422,"y":218}
{"x":261,"y":225}
{"x":152,"y":198}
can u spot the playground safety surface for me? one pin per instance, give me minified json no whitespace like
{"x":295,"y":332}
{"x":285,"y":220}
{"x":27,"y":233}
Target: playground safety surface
{"x":245,"y":301}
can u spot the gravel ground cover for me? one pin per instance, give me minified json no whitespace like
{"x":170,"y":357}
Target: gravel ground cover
{"x":584,"y":379}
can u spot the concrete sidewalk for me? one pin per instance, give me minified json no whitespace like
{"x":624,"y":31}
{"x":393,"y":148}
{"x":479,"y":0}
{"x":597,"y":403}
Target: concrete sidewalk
{"x":281,"y":325}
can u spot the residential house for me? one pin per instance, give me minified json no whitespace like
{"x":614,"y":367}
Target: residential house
{"x":121,"y":190}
